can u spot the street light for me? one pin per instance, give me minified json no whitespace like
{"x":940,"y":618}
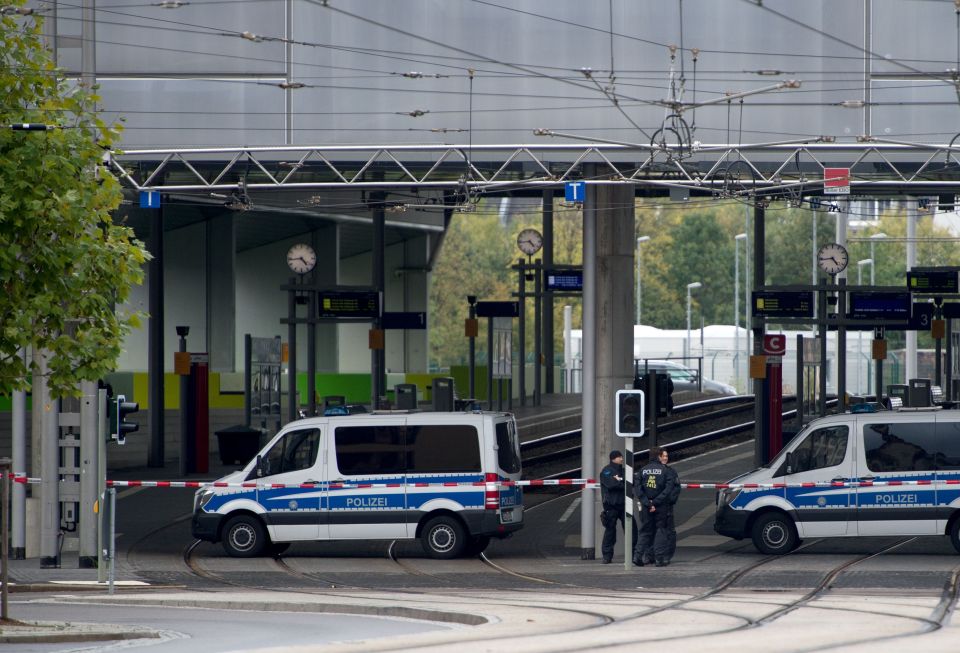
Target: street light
{"x":860,"y":264}
{"x":873,"y":241}
{"x":736,"y":297}
{"x":640,"y":240}
{"x":690,"y":286}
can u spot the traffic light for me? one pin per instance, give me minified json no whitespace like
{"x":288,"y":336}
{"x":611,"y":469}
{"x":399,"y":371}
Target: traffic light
{"x":630,"y":413}
{"x":119,"y":427}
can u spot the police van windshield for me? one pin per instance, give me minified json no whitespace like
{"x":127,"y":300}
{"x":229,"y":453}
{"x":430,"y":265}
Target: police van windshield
{"x":508,"y":448}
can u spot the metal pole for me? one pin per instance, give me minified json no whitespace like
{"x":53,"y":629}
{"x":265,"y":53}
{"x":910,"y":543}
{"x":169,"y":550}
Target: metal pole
{"x":101,"y":479}
{"x":379,"y":282}
{"x":547,"y":305}
{"x":247,"y":378}
{"x":490,"y":363}
{"x":5,"y":469}
{"x":640,"y":241}
{"x":185,"y":467}
{"x":759,"y":279}
{"x":800,"y":389}
{"x":312,"y":354}
{"x":537,"y":345}
{"x":19,"y":451}
{"x":113,"y":538}
{"x":588,"y":350}
{"x":628,"y":542}
{"x":522,"y":332}
{"x":472,"y":383}
{"x":292,"y":352}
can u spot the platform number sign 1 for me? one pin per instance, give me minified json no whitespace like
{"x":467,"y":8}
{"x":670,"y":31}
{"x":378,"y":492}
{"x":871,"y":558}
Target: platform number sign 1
{"x":630,"y":413}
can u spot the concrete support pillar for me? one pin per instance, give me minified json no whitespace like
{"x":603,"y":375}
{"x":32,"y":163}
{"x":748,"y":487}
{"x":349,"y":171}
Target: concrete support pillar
{"x":155,"y":328}
{"x":221,"y":276}
{"x":49,"y":466}
{"x":326,"y":243}
{"x":416,"y":255}
{"x":608,"y":334}
{"x":18,"y":505}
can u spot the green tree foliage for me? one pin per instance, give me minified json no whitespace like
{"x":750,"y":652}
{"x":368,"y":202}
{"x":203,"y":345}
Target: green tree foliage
{"x":64,"y":264}
{"x":688,"y":242}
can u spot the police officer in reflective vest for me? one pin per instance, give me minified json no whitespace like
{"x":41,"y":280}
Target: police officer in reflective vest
{"x":611,"y":490}
{"x":656,"y":487}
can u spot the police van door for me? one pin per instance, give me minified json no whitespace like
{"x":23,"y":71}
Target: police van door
{"x":824,"y":454}
{"x":897,"y":451}
{"x":368,"y":451}
{"x":292,"y":512}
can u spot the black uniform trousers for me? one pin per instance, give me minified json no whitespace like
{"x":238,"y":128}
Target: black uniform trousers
{"x":657,"y":539}
{"x":610,"y":533}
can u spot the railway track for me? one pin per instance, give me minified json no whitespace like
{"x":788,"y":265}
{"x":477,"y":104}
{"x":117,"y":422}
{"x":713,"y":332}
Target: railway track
{"x":693,"y":427}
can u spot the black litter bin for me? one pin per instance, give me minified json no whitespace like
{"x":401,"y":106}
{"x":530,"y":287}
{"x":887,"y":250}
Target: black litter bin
{"x":406,"y":396}
{"x":238,"y":444}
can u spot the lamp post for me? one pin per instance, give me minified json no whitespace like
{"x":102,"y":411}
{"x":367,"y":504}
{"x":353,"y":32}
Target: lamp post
{"x":736,"y":299}
{"x":640,"y":241}
{"x":690,"y":286}
{"x":873,"y":241}
{"x":860,"y":264}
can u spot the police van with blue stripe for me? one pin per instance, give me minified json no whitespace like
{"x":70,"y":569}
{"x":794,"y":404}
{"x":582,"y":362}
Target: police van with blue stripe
{"x":381,"y":475}
{"x":898,"y":445}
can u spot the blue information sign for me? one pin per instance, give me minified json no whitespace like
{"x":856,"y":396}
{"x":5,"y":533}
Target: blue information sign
{"x":575,"y":191}
{"x":570,"y":280}
{"x":149,"y":199}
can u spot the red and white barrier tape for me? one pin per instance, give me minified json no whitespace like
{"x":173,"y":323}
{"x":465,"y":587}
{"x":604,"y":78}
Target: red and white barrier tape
{"x":588,"y":483}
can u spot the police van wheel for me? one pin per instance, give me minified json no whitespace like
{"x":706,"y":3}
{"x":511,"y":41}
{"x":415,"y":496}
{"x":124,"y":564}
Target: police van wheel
{"x":774,"y":534}
{"x":443,"y":537}
{"x":955,"y":534}
{"x":244,"y":537}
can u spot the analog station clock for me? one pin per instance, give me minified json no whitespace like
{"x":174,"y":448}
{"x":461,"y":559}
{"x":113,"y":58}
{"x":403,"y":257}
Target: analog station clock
{"x":301,"y":258}
{"x":832,"y":258}
{"x":529,"y":241}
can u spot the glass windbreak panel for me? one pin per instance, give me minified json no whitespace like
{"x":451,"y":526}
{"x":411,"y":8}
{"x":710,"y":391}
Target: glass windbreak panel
{"x":294,"y":451}
{"x":366,"y":450}
{"x":508,"y":452}
{"x":903,"y":447}
{"x":948,"y":440}
{"x":826,"y":447}
{"x":443,"y":448}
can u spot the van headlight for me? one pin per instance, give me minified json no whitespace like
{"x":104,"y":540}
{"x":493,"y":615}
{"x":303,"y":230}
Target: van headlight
{"x":202,"y":498}
{"x":726,"y":496}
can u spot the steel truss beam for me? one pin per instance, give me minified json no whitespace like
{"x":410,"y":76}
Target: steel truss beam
{"x":876,"y":167}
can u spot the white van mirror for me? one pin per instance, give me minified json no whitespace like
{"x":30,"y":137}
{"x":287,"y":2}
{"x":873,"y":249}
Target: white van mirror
{"x":259,"y":466}
{"x":789,"y":462}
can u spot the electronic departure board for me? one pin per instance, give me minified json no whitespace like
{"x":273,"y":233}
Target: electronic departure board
{"x":932,"y":281}
{"x":342,"y":304}
{"x":563,"y":280}
{"x":782,"y":303}
{"x":880,"y":305}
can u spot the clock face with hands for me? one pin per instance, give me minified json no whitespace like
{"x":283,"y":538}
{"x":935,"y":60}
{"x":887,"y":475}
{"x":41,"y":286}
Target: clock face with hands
{"x":529,"y":241}
{"x":301,"y":258}
{"x":832,"y":258}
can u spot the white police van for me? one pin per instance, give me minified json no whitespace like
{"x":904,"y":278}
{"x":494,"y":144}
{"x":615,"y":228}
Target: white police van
{"x":900,"y":445}
{"x":421,"y":468}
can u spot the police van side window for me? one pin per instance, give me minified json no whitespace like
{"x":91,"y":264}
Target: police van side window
{"x":948,"y":437}
{"x":363,"y":450}
{"x":507,"y":457}
{"x":901,"y":447}
{"x":443,"y":448}
{"x":294,"y":451}
{"x":825,"y":447}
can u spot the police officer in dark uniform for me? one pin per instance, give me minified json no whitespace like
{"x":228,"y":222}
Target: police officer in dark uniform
{"x":611,"y":490}
{"x":671,"y":527}
{"x":655,"y":485}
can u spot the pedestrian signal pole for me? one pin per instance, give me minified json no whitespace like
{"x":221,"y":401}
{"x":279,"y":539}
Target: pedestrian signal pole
{"x":629,"y":411}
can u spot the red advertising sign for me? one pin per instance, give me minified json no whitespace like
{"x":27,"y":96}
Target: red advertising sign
{"x":836,"y":181}
{"x":774,"y":344}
